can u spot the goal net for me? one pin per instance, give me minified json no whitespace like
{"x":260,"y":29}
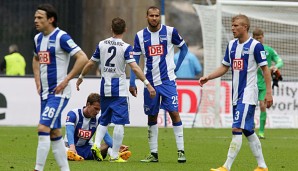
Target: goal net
{"x":279,"y":22}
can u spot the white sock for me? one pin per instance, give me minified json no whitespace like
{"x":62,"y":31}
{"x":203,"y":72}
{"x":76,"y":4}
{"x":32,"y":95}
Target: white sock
{"x":234,"y":148}
{"x":152,"y":138}
{"x":118,"y":135}
{"x":43,"y":148}
{"x":100,"y":133}
{"x":256,"y":148}
{"x":59,"y":151}
{"x":178,"y":131}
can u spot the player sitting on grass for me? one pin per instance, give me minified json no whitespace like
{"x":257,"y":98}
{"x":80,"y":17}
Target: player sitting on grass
{"x":81,"y":125}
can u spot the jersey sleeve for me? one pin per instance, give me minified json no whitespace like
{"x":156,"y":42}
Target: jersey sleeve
{"x":71,"y":118}
{"x":226,"y":60}
{"x":137,"y":47}
{"x":69,"y":45}
{"x":275,"y":58}
{"x":176,"y":38}
{"x":128,"y":55}
{"x":260,"y":54}
{"x":96,"y":55}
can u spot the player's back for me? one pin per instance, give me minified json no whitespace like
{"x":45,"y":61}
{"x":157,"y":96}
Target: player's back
{"x":113,"y":55}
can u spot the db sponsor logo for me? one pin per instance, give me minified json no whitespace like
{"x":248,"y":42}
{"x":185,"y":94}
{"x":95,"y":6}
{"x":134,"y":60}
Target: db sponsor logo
{"x":84,"y":134}
{"x":44,"y":57}
{"x":238,"y":64}
{"x":155,"y":50}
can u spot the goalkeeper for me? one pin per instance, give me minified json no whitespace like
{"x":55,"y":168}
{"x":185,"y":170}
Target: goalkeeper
{"x":81,"y":124}
{"x":271,"y":55}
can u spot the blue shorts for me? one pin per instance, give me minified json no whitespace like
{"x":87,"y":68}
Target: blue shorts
{"x":51,"y":109}
{"x":166,"y":98}
{"x":243,"y":116}
{"x":114,"y":110}
{"x":85,"y":151}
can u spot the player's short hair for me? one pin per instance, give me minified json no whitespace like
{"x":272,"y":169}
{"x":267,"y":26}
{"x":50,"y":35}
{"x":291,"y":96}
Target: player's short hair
{"x":244,"y":18}
{"x":118,"y":25}
{"x":50,"y":11}
{"x":93,"y":97}
{"x":13,"y":48}
{"x":152,"y":7}
{"x":257,"y":32}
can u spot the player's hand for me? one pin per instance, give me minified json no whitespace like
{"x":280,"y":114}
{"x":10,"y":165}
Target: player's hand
{"x":273,"y":69}
{"x":203,"y":80}
{"x":61,"y":86}
{"x":268,"y":100}
{"x":78,"y":83}
{"x":151,"y":91}
{"x":72,"y":147}
{"x":133,"y":91}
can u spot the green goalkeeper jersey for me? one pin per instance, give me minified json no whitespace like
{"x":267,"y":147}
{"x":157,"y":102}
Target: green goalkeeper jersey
{"x":271,"y":55}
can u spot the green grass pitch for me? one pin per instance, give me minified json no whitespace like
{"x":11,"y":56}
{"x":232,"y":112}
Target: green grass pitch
{"x":204,"y":148}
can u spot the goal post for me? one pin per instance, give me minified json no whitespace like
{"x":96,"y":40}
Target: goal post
{"x":279,"y":22}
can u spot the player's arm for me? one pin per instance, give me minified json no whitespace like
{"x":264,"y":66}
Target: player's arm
{"x":137,"y":70}
{"x":267,"y":76}
{"x":36,"y":72}
{"x":215,"y":74}
{"x":277,"y":60}
{"x":84,"y":72}
{"x":70,"y":130}
{"x":182,"y":54}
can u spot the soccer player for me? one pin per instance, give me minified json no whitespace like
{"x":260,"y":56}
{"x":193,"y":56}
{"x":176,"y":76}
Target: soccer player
{"x":53,"y":48}
{"x":271,"y":55}
{"x":113,"y":54}
{"x":244,"y":55}
{"x":81,"y":125}
{"x":156,"y":43}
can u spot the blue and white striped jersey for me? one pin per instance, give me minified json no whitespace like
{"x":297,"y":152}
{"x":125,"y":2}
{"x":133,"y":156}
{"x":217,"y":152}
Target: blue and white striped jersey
{"x":244,"y":60}
{"x":84,"y":127}
{"x":54,"y":51}
{"x":113,"y":55}
{"x":158,"y":50}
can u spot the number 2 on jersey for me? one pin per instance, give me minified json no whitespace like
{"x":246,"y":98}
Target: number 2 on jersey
{"x":111,"y":50}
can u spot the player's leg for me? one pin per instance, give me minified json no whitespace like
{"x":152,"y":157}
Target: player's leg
{"x":120,"y":117}
{"x":43,"y":147}
{"x":263,"y":114}
{"x":151,"y":109}
{"x":56,"y":106}
{"x":170,"y":103}
{"x":263,"y":117}
{"x":253,"y":140}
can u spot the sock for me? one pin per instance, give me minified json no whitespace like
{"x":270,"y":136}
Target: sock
{"x":178,"y":132}
{"x":263,"y":116}
{"x":118,"y":135}
{"x":234,"y":148}
{"x":43,"y":148}
{"x":256,"y":148}
{"x":100,"y":132}
{"x":152,"y":138}
{"x":59,"y":151}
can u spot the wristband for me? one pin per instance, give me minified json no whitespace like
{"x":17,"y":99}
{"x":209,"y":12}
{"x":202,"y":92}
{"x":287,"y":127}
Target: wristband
{"x":146,"y":82}
{"x":81,"y":76}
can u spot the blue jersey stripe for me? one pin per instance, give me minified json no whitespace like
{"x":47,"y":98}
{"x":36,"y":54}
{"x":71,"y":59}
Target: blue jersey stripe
{"x":102,"y":90}
{"x":163,"y":64}
{"x":52,"y":67}
{"x":149,"y":63}
{"x":232,"y":56}
{"x":115,"y":87}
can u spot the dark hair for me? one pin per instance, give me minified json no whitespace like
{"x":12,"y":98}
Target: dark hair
{"x":118,"y":25}
{"x":93,"y":97}
{"x":50,"y":11}
{"x":152,"y":7}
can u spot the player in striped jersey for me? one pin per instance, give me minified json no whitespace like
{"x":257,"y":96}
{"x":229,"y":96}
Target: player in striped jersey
{"x":53,"y":48}
{"x":244,"y":55}
{"x":81,"y":124}
{"x":113,"y":54}
{"x":156,"y":43}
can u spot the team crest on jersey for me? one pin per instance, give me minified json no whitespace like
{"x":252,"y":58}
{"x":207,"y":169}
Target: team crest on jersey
{"x":84,"y":134}
{"x":238,"y":64}
{"x":71,"y":43}
{"x":155,"y":50}
{"x":51,"y":43}
{"x":131,"y":55}
{"x":162,"y":37}
{"x":245,"y":51}
{"x":263,"y":54}
{"x":44,"y":57}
